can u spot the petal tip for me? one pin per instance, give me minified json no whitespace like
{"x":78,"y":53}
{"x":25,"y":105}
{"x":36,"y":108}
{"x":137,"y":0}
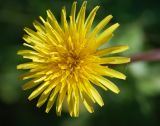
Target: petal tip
{"x":117,"y":25}
{"x":110,"y":16}
{"x":24,"y":88}
{"x":118,"y":91}
{"x":47,"y":110}
{"x":30,"y":97}
{"x":18,"y":66}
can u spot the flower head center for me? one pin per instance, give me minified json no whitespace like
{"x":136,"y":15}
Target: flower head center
{"x":70,"y":62}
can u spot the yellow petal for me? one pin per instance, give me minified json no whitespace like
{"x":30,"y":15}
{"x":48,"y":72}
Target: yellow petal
{"x":38,"y":49}
{"x":60,"y":100}
{"x":38,"y":91}
{"x":71,"y":106}
{"x":95,"y":94}
{"x":88,"y":76}
{"x":80,"y":15}
{"x":41,"y":18}
{"x":114,"y":73}
{"x":105,"y":71}
{"x":43,"y":98}
{"x":51,"y":86}
{"x":114,"y":60}
{"x":106,"y":35}
{"x":31,"y":33}
{"x":29,"y":75}
{"x":111,"y":50}
{"x":64,"y":20}
{"x":30,"y":84}
{"x":52,"y":20}
{"x":52,"y":98}
{"x":40,"y":79}
{"x":101,"y":25}
{"x":75,"y":102}
{"x":39,"y":27}
{"x":69,"y":91}
{"x":36,"y":42}
{"x":87,"y":102}
{"x":56,"y":37}
{"x":28,"y":65}
{"x":81,"y":18}
{"x":107,"y":83}
{"x":27,"y":52}
{"x":85,"y":88}
{"x":90,"y":19}
{"x":97,"y":83}
{"x":73,"y":11}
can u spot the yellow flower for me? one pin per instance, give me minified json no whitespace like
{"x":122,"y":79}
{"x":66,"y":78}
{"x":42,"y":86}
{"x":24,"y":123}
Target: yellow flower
{"x":67,"y":62}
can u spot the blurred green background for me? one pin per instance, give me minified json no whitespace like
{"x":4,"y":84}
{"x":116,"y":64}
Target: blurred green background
{"x":139,"y":100}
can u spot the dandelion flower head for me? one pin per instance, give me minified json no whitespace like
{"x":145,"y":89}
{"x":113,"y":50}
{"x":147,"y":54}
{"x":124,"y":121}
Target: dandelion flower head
{"x":66,"y":61}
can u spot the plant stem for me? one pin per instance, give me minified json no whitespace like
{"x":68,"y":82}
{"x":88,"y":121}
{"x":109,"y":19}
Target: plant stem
{"x":153,"y":55}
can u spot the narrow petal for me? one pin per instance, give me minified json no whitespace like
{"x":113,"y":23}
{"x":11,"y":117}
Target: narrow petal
{"x":30,"y":84}
{"x":97,"y":83}
{"x":73,"y":11}
{"x":60,"y":100}
{"x":36,"y":42}
{"x":73,"y":103}
{"x":90,"y":19}
{"x":106,"y":35}
{"x":107,"y":83}
{"x":95,"y":94}
{"x":27,"y":52}
{"x":41,"y":18}
{"x":40,"y":79}
{"x":35,"y":58}
{"x":84,"y":86}
{"x":38,"y":91}
{"x":105,"y":71}
{"x":81,"y":12}
{"x":52,"y":98}
{"x":114,"y":60}
{"x":64,"y":20}
{"x":87,"y":102}
{"x":114,"y":73}
{"x":75,"y":96}
{"x":58,"y":39}
{"x":28,"y":65}
{"x":39,"y":27}
{"x":43,"y":98}
{"x":101,"y":25}
{"x":38,"y":49}
{"x":51,"y":86}
{"x":54,"y":22}
{"x":29,"y":75}
{"x":32,"y":33}
{"x":88,"y":76}
{"x":111,"y":50}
